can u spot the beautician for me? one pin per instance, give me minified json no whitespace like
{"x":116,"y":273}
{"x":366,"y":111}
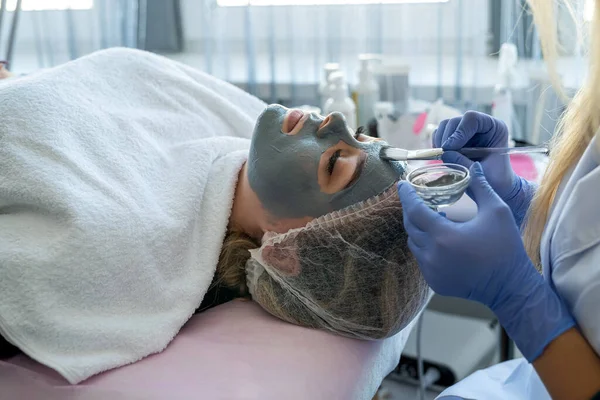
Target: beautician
{"x":553,"y":318}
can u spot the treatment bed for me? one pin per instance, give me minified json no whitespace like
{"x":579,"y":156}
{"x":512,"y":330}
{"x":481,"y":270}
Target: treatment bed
{"x":233,"y":351}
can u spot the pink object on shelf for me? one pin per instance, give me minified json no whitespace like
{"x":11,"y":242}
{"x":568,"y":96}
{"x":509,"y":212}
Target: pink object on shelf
{"x":434,"y":162}
{"x":524,"y":166}
{"x":419,"y":123}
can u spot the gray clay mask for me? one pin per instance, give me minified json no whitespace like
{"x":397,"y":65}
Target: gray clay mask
{"x":283,"y":169}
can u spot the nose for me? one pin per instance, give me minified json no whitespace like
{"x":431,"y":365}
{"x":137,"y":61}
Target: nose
{"x":333,"y":122}
{"x":325,"y":121}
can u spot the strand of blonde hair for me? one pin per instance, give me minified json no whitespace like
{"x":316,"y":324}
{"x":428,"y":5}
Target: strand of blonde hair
{"x":577,"y":125}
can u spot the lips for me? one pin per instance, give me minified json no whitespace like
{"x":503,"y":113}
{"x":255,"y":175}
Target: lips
{"x":292,"y":120}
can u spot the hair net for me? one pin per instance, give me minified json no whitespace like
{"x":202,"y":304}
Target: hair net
{"x":349,"y":272}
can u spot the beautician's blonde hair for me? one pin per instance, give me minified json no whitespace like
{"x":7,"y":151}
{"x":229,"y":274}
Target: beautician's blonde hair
{"x":577,"y":125}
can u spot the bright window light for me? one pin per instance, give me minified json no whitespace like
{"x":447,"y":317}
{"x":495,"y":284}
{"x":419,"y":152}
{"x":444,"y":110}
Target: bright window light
{"x":588,"y":10}
{"x":37,"y":5}
{"x":238,"y":3}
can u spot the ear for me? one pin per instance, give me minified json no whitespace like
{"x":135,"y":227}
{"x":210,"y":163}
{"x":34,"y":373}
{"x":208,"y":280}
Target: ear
{"x":284,"y":260}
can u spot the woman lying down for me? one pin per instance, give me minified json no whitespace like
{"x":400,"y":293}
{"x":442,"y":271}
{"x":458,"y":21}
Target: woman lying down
{"x":134,"y":188}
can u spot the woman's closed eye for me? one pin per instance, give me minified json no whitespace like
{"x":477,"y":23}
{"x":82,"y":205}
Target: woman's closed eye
{"x":359,"y":131}
{"x":335,"y":156}
{"x":339,"y":167}
{"x":332,"y":160}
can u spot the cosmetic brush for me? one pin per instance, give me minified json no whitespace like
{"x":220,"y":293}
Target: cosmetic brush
{"x":397,"y":154}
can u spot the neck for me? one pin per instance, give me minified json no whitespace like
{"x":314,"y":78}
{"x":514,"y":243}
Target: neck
{"x":245,"y":205}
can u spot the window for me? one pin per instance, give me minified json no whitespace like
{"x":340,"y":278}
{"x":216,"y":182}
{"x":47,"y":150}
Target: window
{"x":238,"y":3}
{"x":36,"y":5}
{"x":588,"y":10}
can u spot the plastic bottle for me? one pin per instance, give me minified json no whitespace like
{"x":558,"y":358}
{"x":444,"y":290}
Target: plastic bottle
{"x":502,"y":104}
{"x":502,"y":108}
{"x":324,"y":94}
{"x":340,"y":100}
{"x":367,"y":91}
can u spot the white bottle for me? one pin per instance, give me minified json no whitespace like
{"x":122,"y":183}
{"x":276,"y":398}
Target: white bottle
{"x":340,"y":99}
{"x":502,"y":108}
{"x":367,"y":92}
{"x":324,"y":94}
{"x":502,"y":104}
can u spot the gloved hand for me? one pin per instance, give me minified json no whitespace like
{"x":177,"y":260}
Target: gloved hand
{"x":484,"y":260}
{"x":475,"y":129}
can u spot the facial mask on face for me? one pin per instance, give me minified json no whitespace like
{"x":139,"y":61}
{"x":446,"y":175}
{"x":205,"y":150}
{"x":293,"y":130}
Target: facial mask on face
{"x":283,"y":169}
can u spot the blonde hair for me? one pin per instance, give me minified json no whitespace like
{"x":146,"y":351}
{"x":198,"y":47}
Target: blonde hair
{"x":231,"y":267}
{"x":577,"y":125}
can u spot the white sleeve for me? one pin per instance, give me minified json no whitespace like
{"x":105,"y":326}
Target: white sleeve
{"x":577,"y":278}
{"x":575,"y":248}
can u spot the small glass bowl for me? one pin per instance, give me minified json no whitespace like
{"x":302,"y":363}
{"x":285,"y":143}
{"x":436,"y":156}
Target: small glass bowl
{"x":440,"y":185}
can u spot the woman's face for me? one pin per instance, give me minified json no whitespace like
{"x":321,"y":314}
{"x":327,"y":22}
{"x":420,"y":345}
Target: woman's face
{"x":302,"y":165}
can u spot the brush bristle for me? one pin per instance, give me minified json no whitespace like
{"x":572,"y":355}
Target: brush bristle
{"x":392,"y":153}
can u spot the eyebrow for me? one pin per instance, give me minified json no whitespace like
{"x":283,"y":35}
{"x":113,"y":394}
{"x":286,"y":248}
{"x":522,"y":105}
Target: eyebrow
{"x":358,"y":170}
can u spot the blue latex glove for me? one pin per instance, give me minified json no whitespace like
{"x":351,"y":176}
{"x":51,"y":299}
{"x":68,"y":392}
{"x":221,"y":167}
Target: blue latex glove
{"x":475,"y":129}
{"x":484,"y":260}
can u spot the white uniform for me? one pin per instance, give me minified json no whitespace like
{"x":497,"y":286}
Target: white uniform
{"x":570,"y":251}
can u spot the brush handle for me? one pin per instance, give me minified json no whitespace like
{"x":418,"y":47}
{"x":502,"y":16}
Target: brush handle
{"x":477,"y":152}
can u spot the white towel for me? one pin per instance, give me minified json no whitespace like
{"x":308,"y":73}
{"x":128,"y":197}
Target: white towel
{"x":117,"y":174}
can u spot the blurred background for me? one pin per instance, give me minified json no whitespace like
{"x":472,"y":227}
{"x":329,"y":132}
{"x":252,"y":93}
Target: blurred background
{"x":396,"y":66}
{"x":277,"y":49}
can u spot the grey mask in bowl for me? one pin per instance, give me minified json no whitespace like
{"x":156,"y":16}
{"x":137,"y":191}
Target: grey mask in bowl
{"x":283,"y":169}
